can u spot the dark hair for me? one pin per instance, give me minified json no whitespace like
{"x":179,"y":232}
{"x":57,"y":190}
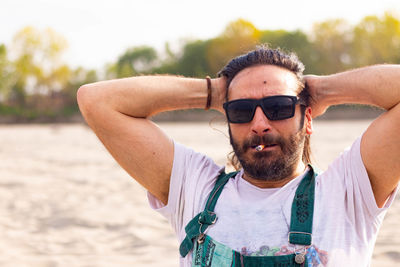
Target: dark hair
{"x":263,"y":55}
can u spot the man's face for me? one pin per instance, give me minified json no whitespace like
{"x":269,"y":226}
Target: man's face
{"x":282,"y":139}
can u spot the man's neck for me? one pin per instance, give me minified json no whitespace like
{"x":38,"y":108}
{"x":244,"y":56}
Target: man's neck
{"x":275,"y":184}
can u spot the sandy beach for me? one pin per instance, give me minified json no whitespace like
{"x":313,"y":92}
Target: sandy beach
{"x":65,"y":202}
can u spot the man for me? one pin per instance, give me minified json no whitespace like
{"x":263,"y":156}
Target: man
{"x":275,"y":211}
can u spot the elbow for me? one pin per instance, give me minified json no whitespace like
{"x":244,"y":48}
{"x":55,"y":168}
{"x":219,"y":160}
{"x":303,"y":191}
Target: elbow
{"x":81,"y":93}
{"x":81,"y":96}
{"x":86,"y":97}
{"x":93,"y":103}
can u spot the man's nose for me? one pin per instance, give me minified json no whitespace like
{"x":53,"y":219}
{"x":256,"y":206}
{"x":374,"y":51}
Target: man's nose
{"x":260,"y":123}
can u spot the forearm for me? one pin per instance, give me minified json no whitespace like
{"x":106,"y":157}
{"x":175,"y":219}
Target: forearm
{"x":144,"y":96}
{"x":374,"y":85}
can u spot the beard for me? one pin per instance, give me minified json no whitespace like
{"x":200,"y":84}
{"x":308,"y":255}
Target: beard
{"x":271,"y":165}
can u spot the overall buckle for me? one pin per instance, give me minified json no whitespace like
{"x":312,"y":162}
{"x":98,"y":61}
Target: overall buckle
{"x":206,"y":218}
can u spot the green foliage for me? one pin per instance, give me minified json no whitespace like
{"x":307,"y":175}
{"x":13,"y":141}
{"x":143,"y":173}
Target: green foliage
{"x":295,"y":41}
{"x":331,"y":43}
{"x":238,"y":37}
{"x":36,"y":83}
{"x":376,"y":40}
{"x":38,"y":64}
{"x":193,"y":62}
{"x":169,"y":64}
{"x":135,"y":60}
{"x":7,"y":75}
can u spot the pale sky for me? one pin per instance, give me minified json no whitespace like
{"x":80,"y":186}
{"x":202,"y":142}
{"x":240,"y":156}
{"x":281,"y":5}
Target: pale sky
{"x":98,"y":31}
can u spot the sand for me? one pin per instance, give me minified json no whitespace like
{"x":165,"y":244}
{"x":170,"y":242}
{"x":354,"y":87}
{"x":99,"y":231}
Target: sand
{"x":64,"y":201}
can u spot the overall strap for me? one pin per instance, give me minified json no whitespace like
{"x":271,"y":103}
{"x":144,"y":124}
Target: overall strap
{"x":201,"y":221}
{"x":301,"y":221}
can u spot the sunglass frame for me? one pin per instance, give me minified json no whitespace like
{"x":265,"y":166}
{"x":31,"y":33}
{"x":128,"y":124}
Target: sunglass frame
{"x":260,"y":103}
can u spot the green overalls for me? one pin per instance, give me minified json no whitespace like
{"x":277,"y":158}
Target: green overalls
{"x":209,"y":253}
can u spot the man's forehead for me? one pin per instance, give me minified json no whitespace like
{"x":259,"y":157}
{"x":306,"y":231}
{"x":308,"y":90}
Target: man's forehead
{"x":261,"y":80}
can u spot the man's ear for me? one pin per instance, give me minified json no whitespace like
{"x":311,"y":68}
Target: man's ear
{"x":308,"y":121}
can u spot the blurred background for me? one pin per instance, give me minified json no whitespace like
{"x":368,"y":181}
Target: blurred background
{"x":49,"y":48}
{"x":64,"y":201}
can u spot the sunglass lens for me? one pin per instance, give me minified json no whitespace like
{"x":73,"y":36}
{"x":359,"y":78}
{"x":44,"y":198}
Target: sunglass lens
{"x":278,"y":108}
{"x":240,"y":111}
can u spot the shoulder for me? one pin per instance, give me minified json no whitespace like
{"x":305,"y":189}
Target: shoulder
{"x":188,"y":162}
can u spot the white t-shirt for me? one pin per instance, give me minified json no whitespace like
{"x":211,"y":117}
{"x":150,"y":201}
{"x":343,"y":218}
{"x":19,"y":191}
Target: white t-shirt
{"x":255,"y":221}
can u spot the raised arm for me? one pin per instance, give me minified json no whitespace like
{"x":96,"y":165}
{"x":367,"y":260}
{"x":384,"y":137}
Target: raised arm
{"x":380,"y":146}
{"x":118,"y":112}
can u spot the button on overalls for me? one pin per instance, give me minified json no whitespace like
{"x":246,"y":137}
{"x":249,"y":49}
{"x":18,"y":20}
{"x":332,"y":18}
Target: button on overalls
{"x":210,"y":253}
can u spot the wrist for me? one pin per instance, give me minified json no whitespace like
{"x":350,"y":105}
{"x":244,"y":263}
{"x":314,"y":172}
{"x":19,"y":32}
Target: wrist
{"x":218,"y":93}
{"x":321,"y":90}
{"x":331,"y":92}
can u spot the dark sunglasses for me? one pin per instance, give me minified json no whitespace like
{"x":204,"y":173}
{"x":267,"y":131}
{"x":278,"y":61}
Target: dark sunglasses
{"x":277,"y":107}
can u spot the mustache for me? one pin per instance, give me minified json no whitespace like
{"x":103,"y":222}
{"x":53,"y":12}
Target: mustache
{"x":264,"y":140}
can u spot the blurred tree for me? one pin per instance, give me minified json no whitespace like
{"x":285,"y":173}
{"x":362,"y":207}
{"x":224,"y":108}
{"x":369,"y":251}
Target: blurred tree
{"x":376,"y":40}
{"x":136,"y":60}
{"x":169,"y":62}
{"x":193,"y":61}
{"x":33,"y":76}
{"x":38,"y":64}
{"x":238,"y":37}
{"x":110,"y":71}
{"x":7,"y":75}
{"x":332,"y":41}
{"x":295,"y":41}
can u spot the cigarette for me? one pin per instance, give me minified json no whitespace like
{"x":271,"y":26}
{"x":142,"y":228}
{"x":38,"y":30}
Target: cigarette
{"x":259,"y":147}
